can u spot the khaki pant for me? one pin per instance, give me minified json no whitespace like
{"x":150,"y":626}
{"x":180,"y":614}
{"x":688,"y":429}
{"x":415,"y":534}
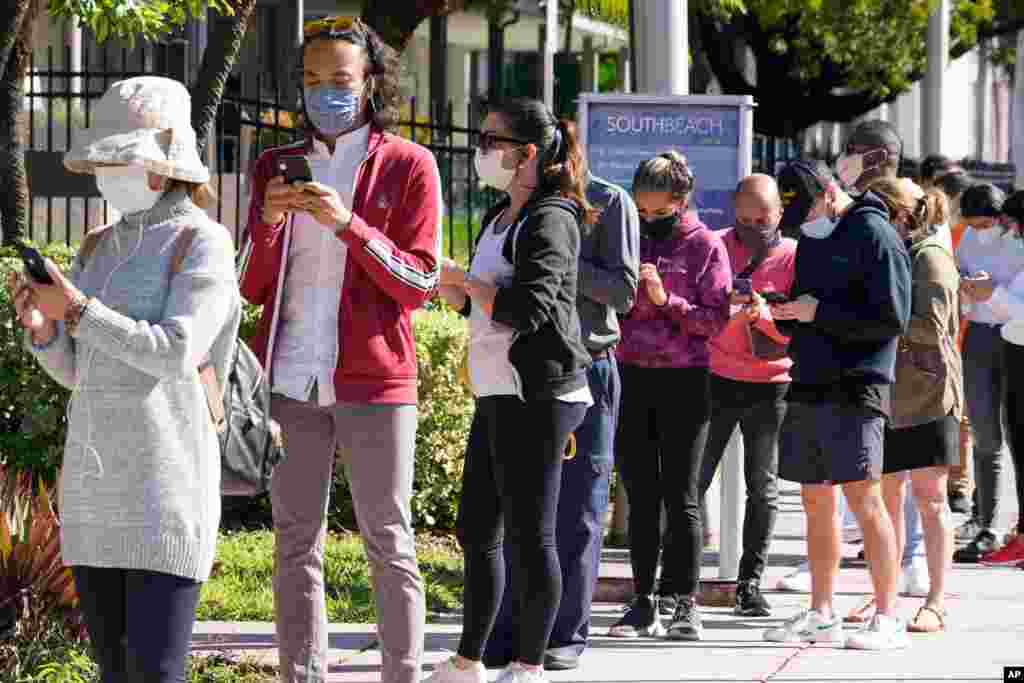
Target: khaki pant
{"x":377,"y":447}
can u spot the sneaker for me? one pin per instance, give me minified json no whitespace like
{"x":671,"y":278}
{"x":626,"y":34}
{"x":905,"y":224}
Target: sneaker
{"x":517,"y":673}
{"x":640,"y":620}
{"x":667,"y":605}
{"x":916,"y":581}
{"x":968,"y":530}
{"x":852,"y":535}
{"x":686,"y":623}
{"x":808,"y":627}
{"x":984,"y":543}
{"x":881,"y":633}
{"x":750,"y":602}
{"x":1011,"y":555}
{"x":958,"y":502}
{"x":447,"y":672}
{"x":797,"y":582}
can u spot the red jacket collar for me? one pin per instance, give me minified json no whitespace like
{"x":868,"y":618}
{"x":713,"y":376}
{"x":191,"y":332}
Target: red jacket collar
{"x":377,"y":138}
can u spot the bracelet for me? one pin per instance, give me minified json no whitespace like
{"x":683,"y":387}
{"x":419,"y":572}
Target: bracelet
{"x":75,"y":311}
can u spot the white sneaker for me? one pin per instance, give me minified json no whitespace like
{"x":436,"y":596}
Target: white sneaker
{"x":515,"y":673}
{"x":852,"y":534}
{"x":915,"y":581}
{"x":447,"y":672}
{"x":808,"y":627}
{"x":881,"y":633}
{"x":797,"y":582}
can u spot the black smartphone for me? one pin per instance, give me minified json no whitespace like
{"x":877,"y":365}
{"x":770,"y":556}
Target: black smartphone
{"x":295,"y":169}
{"x":35,"y":266}
{"x":774,"y":298}
{"x":743,"y":286}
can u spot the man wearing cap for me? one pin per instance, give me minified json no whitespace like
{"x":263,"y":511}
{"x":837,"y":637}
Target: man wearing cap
{"x":339,"y":265}
{"x":750,"y":374}
{"x":850,"y":302}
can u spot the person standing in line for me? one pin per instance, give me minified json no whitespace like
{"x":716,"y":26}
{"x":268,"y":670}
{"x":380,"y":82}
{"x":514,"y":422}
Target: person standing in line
{"x":339,"y":265}
{"x":850,"y":304}
{"x":961,"y":476}
{"x":990,"y":255}
{"x":1008,"y":300}
{"x":923,"y":437}
{"x":750,"y":374}
{"x":126,"y":331}
{"x":528,"y":369}
{"x":685,"y":279}
{"x":608,"y":277}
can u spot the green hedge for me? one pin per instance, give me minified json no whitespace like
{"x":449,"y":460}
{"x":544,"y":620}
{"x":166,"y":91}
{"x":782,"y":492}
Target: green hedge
{"x":33,"y":422}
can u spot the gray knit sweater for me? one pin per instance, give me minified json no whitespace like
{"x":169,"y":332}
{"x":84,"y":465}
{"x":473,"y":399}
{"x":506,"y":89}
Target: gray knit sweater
{"x":140,"y":487}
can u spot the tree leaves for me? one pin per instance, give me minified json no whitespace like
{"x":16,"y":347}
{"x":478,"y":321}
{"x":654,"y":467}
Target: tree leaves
{"x":129,"y":19}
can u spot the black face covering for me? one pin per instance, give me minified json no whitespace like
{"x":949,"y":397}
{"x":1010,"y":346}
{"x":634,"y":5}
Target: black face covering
{"x":758,"y":237}
{"x":659,"y":229}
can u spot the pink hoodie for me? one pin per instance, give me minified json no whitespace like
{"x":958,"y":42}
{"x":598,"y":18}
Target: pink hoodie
{"x":731,"y":356}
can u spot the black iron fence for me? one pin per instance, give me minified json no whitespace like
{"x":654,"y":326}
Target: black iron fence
{"x":59,"y":101}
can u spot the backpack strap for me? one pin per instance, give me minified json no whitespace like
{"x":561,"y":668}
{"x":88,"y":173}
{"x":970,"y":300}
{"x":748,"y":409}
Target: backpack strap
{"x":207,"y":373}
{"x":90,"y":242}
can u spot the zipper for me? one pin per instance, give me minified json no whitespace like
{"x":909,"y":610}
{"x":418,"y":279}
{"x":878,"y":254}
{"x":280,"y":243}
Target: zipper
{"x":345,"y":279}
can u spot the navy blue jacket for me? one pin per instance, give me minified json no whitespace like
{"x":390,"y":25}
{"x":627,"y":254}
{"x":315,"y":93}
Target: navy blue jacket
{"x":861,"y":276}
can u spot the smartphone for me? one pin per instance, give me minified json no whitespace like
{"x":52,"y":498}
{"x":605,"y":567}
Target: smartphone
{"x":743,"y":286}
{"x":774,"y":298}
{"x":35,"y":266}
{"x":295,"y":169}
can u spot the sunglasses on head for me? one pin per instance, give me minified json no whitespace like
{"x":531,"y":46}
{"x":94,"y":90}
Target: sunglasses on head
{"x":333,"y":26}
{"x":487,"y":140}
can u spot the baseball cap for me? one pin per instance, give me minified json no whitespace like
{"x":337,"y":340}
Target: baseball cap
{"x":800,"y":183}
{"x":876,"y":133}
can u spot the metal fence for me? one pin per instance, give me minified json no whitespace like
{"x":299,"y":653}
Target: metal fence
{"x":59,"y":102}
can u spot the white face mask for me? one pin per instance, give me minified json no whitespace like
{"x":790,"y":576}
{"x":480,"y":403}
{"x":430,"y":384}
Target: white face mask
{"x":990,"y":236}
{"x":126,"y":188}
{"x":819,"y":228}
{"x":490,"y":170}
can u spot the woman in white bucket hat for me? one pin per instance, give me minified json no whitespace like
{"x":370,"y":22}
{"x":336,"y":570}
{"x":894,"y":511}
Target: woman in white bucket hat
{"x":127,"y":330}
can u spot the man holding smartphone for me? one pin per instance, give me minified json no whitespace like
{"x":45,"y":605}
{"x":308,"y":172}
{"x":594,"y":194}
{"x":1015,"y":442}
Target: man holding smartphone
{"x":339,"y":264}
{"x":750,"y":373}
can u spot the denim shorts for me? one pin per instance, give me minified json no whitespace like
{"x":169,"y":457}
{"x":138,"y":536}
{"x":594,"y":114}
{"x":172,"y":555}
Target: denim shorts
{"x":831,"y":443}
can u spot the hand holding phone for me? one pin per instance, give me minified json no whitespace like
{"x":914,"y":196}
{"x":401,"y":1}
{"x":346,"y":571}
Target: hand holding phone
{"x":295,"y":170}
{"x":35,"y":265}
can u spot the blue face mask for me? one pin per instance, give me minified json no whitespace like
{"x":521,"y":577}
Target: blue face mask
{"x":332,"y":110}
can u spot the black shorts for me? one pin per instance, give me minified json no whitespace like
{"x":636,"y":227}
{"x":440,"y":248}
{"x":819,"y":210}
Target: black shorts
{"x":932,"y":444}
{"x":831,"y":443}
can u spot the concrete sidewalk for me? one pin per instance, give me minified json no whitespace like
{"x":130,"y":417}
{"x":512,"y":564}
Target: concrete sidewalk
{"x":985,"y":632}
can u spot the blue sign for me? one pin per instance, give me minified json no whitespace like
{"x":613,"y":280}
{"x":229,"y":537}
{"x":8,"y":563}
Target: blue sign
{"x":621,"y":135}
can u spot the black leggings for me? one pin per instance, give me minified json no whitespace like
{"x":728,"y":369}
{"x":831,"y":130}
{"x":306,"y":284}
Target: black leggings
{"x":659,"y":446}
{"x":511,"y":483}
{"x":139,"y":622}
{"x":1015,"y":419}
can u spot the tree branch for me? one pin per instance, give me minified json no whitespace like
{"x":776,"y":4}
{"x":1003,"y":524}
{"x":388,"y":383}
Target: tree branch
{"x":223,"y":45}
{"x":11,"y":17}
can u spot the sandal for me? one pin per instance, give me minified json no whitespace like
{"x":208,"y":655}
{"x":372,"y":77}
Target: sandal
{"x":925,"y":624}
{"x":862,"y":614}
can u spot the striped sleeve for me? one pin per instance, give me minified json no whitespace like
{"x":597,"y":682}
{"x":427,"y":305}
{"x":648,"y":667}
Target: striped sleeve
{"x":403,"y":257}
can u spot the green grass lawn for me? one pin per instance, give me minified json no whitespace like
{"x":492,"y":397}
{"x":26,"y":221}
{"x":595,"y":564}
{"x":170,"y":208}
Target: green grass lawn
{"x":240,"y":587}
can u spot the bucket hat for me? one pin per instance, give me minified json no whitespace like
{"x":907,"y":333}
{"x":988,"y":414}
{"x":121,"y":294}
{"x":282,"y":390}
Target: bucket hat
{"x":144,"y":121}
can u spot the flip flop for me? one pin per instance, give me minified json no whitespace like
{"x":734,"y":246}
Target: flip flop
{"x":862,"y":614}
{"x":919,"y":625}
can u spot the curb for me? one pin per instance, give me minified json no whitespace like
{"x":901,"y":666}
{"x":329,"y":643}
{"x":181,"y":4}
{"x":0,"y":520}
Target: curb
{"x":712,"y":593}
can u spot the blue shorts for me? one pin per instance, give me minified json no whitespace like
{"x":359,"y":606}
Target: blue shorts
{"x":831,"y":443}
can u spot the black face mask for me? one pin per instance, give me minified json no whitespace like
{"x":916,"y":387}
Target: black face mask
{"x":660,"y":228}
{"x":758,"y":237}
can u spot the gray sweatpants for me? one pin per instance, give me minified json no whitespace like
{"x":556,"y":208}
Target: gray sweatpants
{"x":986,"y":407}
{"x":377,"y":445}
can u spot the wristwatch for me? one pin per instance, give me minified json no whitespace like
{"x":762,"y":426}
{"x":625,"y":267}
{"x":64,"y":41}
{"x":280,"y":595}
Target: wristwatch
{"x":75,"y":311}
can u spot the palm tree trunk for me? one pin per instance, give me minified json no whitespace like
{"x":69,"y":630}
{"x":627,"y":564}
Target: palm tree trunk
{"x":222,"y":48}
{"x":11,"y":17}
{"x":14,"y":203}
